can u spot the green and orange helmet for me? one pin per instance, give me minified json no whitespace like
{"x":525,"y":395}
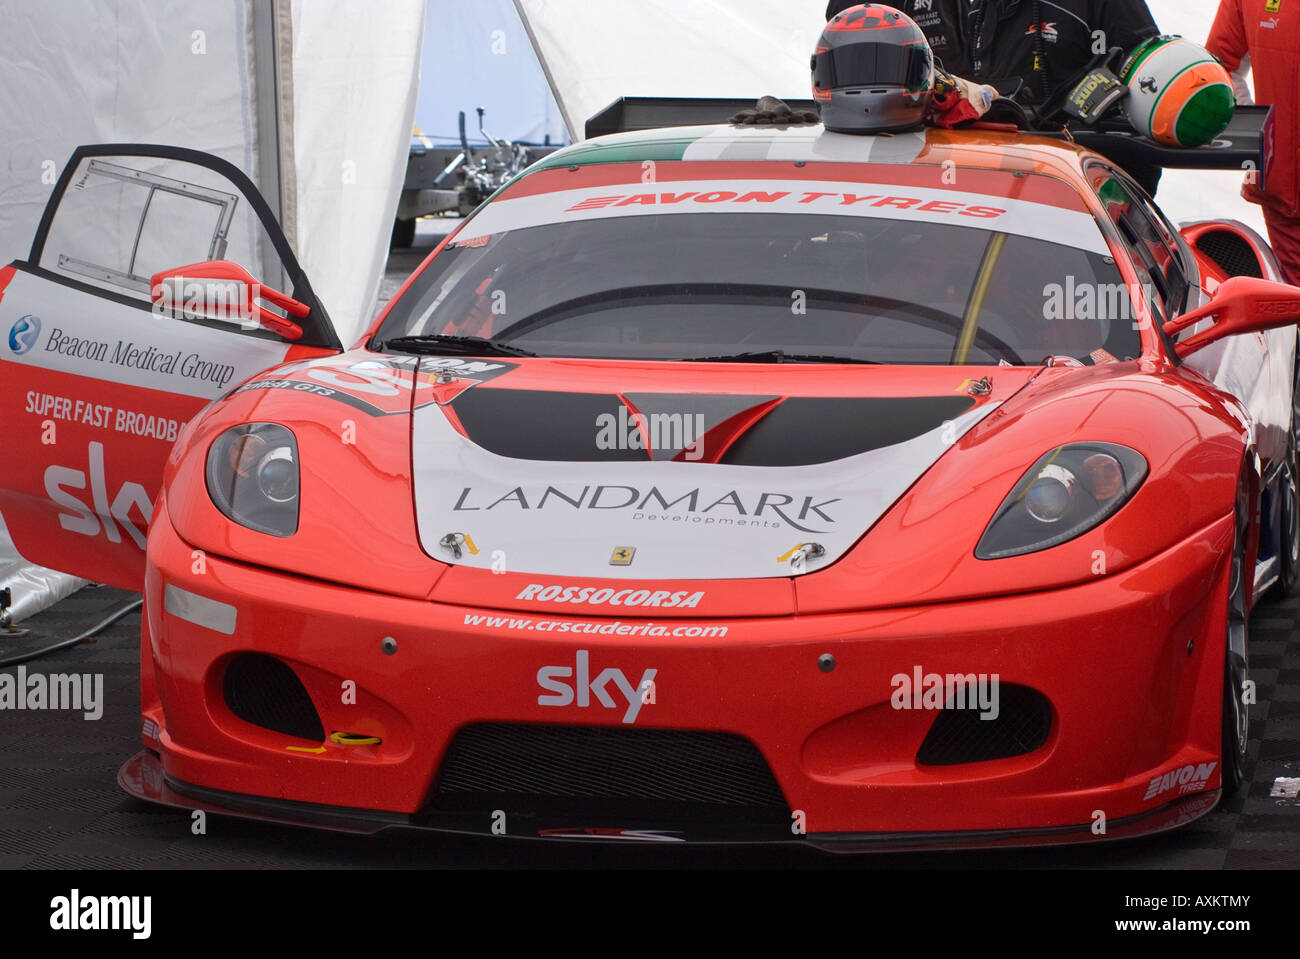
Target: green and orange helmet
{"x":872,"y":71}
{"x":1179,"y":95}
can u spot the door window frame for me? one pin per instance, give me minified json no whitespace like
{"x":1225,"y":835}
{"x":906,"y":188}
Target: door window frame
{"x":318,"y":331}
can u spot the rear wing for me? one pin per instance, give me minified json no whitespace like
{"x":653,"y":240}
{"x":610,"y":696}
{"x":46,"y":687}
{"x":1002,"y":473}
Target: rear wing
{"x":1240,"y":147}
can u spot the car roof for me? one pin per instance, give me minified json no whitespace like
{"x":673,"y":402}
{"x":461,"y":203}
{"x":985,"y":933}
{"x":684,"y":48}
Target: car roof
{"x":810,"y":143}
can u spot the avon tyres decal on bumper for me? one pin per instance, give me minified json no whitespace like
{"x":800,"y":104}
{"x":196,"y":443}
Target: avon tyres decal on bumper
{"x":380,"y":386}
{"x":1187,"y":779}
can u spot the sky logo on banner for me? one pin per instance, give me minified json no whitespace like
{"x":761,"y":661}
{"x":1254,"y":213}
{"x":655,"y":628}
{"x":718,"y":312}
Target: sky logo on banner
{"x":24,"y":334}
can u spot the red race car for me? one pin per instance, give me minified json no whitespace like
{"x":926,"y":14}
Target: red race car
{"x":709,"y":483}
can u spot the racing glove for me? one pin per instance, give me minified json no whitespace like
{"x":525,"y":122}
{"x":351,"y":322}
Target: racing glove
{"x":958,"y":101}
{"x":1090,"y":95}
{"x":773,"y":111}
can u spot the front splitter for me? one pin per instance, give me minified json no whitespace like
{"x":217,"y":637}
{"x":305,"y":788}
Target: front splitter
{"x":143,"y":777}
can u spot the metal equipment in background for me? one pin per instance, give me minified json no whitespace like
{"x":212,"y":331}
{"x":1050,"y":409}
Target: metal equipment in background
{"x":457,"y":179}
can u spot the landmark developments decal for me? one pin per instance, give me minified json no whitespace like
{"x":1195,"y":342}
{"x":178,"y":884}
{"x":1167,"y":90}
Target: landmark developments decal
{"x":65,"y":330}
{"x":564,"y":518}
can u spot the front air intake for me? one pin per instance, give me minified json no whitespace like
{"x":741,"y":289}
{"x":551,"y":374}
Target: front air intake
{"x":1230,"y":251}
{"x":1022,"y":725}
{"x":266,"y":692}
{"x":545,"y":765}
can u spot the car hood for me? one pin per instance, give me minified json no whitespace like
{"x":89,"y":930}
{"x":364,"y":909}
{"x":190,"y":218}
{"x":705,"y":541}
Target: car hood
{"x":673,"y":472}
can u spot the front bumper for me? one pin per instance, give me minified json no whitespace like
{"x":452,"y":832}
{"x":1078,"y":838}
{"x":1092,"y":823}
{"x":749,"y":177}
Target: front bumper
{"x":1131,"y":665}
{"x":143,"y":777}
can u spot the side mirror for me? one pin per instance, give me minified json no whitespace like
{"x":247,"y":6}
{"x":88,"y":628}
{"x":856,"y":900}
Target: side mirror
{"x":1242,"y":304}
{"x":221,"y":290}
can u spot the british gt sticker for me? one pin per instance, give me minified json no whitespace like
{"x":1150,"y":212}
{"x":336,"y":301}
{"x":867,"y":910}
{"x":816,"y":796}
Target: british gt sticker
{"x":381,"y":386}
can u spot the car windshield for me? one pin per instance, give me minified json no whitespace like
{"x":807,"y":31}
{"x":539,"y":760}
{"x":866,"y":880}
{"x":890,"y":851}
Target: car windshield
{"x":717,"y":284}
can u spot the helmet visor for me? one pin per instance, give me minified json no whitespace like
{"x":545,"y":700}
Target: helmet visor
{"x":910,"y":66}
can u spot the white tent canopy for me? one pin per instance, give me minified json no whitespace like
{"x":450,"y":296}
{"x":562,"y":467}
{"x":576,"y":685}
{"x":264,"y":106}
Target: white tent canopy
{"x":748,"y":48}
{"x":671,"y":48}
{"x":313,"y":99}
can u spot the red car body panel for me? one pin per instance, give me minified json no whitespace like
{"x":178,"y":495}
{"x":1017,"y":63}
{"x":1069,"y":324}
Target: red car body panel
{"x":1121,"y":631}
{"x":840,"y":753}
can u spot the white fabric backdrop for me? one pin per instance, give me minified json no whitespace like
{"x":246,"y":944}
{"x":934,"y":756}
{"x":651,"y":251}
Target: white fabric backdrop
{"x":161,"y":71}
{"x":597,"y":53}
{"x":355,"y":80}
{"x":158,"y":71}
{"x":181,"y":73}
{"x":672,"y":48}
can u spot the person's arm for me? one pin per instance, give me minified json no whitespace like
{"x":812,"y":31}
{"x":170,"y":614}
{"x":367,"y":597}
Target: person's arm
{"x":1240,"y":88}
{"x":1126,"y":23}
{"x":1228,"y":42}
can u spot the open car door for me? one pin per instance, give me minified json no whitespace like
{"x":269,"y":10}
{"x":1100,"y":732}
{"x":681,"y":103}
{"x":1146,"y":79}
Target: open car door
{"x":106,"y":353}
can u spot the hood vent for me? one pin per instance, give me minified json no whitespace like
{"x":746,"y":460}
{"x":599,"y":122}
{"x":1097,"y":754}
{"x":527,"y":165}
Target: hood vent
{"x":729,"y":429}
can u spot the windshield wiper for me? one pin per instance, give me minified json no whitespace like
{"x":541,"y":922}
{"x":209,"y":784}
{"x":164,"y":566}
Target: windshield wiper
{"x":451,"y":343}
{"x":774,"y":356}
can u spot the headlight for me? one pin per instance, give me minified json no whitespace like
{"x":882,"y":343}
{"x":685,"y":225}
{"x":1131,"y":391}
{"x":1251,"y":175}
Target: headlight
{"x":1066,"y":493}
{"x":252,"y":474}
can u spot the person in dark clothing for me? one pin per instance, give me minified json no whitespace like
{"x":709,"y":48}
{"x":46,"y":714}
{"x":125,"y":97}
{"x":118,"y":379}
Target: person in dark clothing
{"x":1038,"y":44}
{"x":1042,"y":42}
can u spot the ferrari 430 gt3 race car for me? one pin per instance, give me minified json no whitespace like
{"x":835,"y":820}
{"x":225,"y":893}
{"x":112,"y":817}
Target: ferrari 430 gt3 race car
{"x":708,"y":483}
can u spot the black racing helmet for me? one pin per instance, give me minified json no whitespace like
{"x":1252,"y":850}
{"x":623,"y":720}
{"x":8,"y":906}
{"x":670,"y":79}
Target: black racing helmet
{"x":873,"y":71}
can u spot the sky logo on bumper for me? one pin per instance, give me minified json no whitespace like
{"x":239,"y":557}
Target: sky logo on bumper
{"x":583,"y":688}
